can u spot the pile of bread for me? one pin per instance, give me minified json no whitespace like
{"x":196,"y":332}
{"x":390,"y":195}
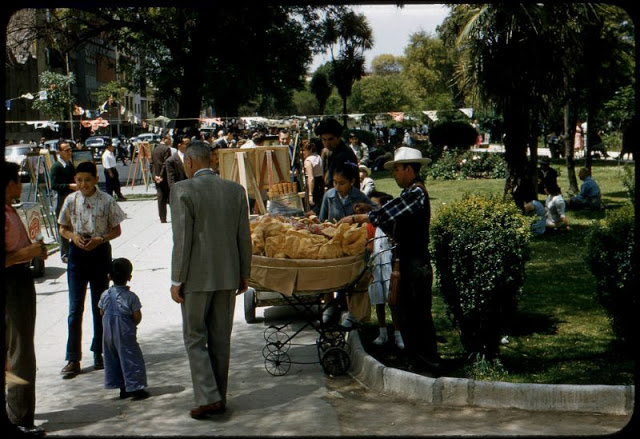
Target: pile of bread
{"x":306,"y":238}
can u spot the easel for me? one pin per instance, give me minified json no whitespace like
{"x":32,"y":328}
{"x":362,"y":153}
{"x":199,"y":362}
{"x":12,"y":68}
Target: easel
{"x":141,"y":159}
{"x":40,"y":191}
{"x":242,"y":166}
{"x":245,"y":176}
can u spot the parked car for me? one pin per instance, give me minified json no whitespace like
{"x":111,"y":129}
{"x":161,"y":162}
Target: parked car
{"x":18,"y":154}
{"x":52,"y":145}
{"x":149,"y":137}
{"x":97,"y":144}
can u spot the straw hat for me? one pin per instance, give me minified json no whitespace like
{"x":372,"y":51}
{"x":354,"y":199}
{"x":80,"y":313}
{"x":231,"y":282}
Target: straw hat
{"x":365,"y":169}
{"x":404,"y":154}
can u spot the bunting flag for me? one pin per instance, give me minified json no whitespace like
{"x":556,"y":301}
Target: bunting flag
{"x":42,"y":94}
{"x":37,"y":124}
{"x":7,"y":104}
{"x":94,"y":124}
{"x":122,"y":109}
{"x":398,"y":116}
{"x":77,"y":110}
{"x":27,"y":96}
{"x":467,"y":111}
{"x":431,"y":114}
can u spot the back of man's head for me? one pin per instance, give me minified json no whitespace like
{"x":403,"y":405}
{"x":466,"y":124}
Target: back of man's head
{"x":198,"y":151}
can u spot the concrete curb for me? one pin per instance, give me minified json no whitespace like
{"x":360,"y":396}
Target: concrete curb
{"x":445,"y":391}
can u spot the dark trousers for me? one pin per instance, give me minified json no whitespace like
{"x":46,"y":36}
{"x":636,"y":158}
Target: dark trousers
{"x":414,"y":308}
{"x":64,"y":243}
{"x":20,"y":320}
{"x":162,"y":190}
{"x":86,"y":268}
{"x":112,"y":183}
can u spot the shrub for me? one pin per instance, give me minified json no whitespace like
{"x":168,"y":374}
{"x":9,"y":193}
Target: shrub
{"x":629,"y":182}
{"x":610,"y":247}
{"x":480,"y":245}
{"x":467,"y":165}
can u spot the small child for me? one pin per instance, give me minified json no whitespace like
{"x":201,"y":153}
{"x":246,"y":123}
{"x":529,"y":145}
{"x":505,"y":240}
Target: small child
{"x":381,"y":272}
{"x":120,"y":309}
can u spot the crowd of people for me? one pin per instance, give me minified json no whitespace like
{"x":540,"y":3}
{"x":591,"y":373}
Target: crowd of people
{"x":339,"y":187}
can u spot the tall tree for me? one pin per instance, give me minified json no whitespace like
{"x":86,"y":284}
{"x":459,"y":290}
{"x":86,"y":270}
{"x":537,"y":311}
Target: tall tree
{"x":320,"y":85}
{"x":192,"y":55}
{"x":346,"y":35}
{"x":511,"y":62}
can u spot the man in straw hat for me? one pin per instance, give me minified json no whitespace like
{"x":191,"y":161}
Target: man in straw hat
{"x":406,"y":220}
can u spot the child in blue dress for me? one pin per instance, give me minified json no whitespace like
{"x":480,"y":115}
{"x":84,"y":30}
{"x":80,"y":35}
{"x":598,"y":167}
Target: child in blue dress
{"x":124,"y":367}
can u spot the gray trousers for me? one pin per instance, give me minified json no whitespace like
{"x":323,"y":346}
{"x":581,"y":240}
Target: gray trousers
{"x":207,"y":321}
{"x":20,"y":319}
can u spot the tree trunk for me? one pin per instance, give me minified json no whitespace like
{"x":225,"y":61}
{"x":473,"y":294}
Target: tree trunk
{"x":570,"y":121}
{"x":520,"y":183}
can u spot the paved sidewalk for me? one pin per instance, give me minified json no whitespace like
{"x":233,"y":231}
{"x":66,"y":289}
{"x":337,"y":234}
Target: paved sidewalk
{"x":304,"y":402}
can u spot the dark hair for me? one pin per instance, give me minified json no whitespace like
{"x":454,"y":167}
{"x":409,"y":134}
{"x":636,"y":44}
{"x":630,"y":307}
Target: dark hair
{"x":329,"y":126}
{"x":552,"y":187}
{"x":10,"y":172}
{"x":309,"y":145}
{"x":382,"y":196}
{"x":198,"y":150}
{"x":121,"y":269}
{"x":348,"y":170}
{"x":88,"y":167}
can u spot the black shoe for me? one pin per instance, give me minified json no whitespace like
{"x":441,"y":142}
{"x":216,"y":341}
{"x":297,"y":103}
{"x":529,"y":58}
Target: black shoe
{"x":98,"y":362}
{"x":71,"y":369}
{"x":139,"y":395}
{"x":124,"y":394}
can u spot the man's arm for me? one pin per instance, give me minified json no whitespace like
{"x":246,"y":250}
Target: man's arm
{"x":244,"y":243}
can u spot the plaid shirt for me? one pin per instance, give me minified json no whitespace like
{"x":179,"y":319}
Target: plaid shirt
{"x":411,"y":199}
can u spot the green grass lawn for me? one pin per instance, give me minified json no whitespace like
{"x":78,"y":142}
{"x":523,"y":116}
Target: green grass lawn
{"x":560,"y":334}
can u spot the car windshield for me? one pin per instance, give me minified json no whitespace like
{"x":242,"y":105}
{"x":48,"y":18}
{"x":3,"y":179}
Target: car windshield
{"x":16,"y":150}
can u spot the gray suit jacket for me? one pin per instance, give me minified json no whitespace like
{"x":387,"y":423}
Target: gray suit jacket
{"x":211,"y":237}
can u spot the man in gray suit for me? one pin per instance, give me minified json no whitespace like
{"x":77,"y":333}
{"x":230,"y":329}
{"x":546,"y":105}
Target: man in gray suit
{"x":174,"y":165}
{"x":211,"y":260}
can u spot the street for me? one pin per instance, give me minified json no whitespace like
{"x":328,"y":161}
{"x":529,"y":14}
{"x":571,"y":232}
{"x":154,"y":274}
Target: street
{"x":303,"y":402}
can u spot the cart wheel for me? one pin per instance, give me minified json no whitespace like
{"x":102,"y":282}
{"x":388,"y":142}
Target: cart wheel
{"x":278,"y":341}
{"x":250,"y":305}
{"x":270,"y":330}
{"x":277,"y":363}
{"x":335,"y":361}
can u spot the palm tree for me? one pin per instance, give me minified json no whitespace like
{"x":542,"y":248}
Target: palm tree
{"x":346,"y":35}
{"x":514,"y":61}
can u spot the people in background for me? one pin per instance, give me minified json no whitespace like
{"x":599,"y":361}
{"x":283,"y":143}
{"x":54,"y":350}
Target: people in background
{"x":314,"y":174}
{"x":536,"y":208}
{"x":546,"y":174}
{"x":367,"y":185}
{"x":360,"y":149}
{"x":589,"y":196}
{"x":555,"y":207}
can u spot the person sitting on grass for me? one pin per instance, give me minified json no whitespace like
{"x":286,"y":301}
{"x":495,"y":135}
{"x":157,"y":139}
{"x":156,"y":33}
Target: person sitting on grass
{"x":589,"y":196}
{"x":535,"y":207}
{"x":555,"y":206}
{"x":124,"y":366}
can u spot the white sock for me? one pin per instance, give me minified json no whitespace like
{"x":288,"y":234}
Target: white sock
{"x":382,"y":337}
{"x":399,"y":341}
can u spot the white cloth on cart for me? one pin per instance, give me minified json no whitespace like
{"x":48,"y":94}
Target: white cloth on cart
{"x":381,"y":259}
